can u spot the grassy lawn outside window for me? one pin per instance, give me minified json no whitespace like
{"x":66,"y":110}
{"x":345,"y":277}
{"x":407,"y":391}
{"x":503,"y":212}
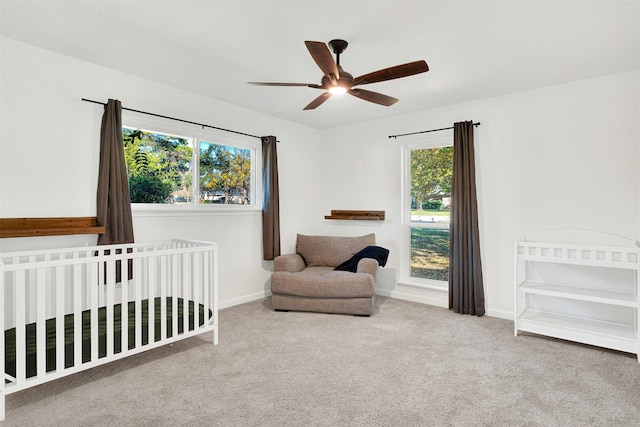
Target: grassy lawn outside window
{"x":430,"y":194}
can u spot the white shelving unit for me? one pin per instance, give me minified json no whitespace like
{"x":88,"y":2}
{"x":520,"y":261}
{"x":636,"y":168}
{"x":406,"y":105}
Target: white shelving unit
{"x":580,"y":286}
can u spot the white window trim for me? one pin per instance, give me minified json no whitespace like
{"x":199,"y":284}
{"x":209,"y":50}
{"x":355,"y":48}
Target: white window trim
{"x":405,"y":254}
{"x":136,"y":120}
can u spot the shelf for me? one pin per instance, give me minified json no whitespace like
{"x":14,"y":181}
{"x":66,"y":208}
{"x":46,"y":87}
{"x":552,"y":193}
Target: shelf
{"x":594,"y":332}
{"x":624,"y":299}
{"x":33,"y":227}
{"x":356,"y":215}
{"x":592,"y":302}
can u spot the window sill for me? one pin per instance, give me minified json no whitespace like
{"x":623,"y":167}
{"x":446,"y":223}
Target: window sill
{"x":142,"y":210}
{"x":431,"y":285}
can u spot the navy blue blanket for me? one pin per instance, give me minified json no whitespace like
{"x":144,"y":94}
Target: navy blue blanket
{"x":378,"y":253}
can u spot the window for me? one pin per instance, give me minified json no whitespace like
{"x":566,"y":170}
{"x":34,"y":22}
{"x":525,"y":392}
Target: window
{"x":191,"y":169}
{"x":427,"y":198}
{"x":225,"y":174}
{"x":158,"y":166}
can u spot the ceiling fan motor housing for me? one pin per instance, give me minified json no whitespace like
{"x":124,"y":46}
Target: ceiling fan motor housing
{"x":338,"y":46}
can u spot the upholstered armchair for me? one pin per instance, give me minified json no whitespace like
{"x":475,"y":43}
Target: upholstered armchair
{"x":328,"y":274}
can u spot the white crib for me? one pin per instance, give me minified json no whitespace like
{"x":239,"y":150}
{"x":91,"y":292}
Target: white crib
{"x":68,"y":310}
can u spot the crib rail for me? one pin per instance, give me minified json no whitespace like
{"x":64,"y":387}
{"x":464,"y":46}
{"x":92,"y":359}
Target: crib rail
{"x":72,"y":309}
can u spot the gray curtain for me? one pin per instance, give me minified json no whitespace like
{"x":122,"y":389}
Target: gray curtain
{"x":270,"y":199}
{"x":466,"y":292}
{"x":114,"y":203}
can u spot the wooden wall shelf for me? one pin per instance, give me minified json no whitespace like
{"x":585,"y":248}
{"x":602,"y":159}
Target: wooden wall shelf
{"x":31,"y":227}
{"x":356,"y":215}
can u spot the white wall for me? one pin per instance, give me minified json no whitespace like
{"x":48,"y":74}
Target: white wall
{"x":49,"y":158}
{"x":560,"y":157}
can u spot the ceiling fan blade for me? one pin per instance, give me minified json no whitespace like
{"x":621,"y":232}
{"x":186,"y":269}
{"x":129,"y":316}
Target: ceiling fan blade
{"x":374,"y":97}
{"x":320,"y":53}
{"x":285,"y":84}
{"x":318,"y":101}
{"x":391,"y":73}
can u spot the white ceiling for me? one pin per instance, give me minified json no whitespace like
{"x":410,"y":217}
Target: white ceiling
{"x":475,"y":49}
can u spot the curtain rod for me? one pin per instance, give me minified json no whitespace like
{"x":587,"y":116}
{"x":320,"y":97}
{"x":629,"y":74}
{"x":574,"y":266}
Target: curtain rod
{"x":178,"y":120}
{"x":427,"y":131}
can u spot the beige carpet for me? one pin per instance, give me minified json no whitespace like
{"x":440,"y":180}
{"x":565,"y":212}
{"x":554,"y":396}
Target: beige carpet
{"x":407,"y":365}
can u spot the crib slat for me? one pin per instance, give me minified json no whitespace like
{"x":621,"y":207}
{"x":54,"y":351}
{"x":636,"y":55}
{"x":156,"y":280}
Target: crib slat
{"x":60,"y":328}
{"x":214,"y":284}
{"x":205,"y":285}
{"x":185,"y":294}
{"x":20,"y":291}
{"x":150,"y":285}
{"x":30,"y":292}
{"x":124,"y":307}
{"x":2,"y":378}
{"x":137,"y":279}
{"x":41,"y":322}
{"x":174,"y":293}
{"x":77,"y":314}
{"x":163,"y":297}
{"x":197,"y":284}
{"x":110,"y":285}
{"x":93,"y":289}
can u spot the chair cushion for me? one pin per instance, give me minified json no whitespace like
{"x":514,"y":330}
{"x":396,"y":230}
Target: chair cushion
{"x":330,"y":251}
{"x":323,"y":282}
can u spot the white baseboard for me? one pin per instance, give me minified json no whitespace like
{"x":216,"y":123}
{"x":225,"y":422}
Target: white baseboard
{"x":502,"y":314}
{"x":241,"y":300}
{"x":437,"y":299}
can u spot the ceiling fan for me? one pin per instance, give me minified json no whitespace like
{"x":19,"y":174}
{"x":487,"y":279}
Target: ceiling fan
{"x":337,"y":81}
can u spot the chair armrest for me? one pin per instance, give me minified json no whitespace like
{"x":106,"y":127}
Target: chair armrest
{"x":368,"y":265}
{"x":292,"y":263}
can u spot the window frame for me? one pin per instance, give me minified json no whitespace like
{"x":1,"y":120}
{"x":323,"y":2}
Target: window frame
{"x":197,"y":135}
{"x":406,"y":224}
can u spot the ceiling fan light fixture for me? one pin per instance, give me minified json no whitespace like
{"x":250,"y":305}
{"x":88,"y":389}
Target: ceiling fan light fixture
{"x":337,"y":90}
